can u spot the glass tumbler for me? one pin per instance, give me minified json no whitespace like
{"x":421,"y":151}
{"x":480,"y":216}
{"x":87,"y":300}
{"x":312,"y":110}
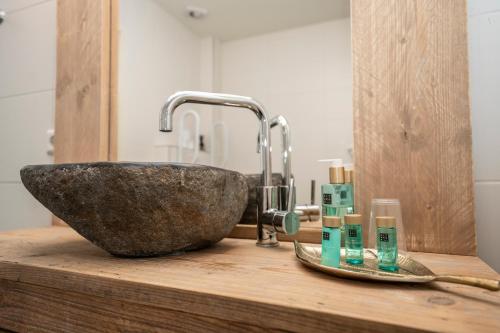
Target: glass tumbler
{"x":386,"y":207}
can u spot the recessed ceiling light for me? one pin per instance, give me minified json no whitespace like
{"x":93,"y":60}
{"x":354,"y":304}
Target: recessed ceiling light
{"x":196,"y":12}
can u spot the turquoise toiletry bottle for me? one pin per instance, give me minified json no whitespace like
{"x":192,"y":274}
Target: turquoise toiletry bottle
{"x":330,"y":243}
{"x":387,"y":243}
{"x":336,"y":197}
{"x":354,"y":253}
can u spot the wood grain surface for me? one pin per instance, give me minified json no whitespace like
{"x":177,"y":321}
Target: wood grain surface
{"x":83,"y":81}
{"x":52,"y":280}
{"x":412,"y":132}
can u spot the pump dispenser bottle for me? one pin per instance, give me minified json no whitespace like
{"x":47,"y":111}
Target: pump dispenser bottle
{"x":337,"y":197}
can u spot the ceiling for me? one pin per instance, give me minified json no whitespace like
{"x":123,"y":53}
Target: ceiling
{"x":235,"y":19}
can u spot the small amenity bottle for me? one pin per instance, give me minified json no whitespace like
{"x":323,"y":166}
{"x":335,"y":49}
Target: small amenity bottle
{"x":353,"y":239}
{"x":330,"y":244}
{"x":387,"y":243}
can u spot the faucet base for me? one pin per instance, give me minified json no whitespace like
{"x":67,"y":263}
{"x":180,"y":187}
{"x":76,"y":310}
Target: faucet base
{"x":269,"y":241}
{"x":266,"y":237}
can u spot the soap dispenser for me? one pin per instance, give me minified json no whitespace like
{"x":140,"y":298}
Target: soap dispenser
{"x":337,"y":196}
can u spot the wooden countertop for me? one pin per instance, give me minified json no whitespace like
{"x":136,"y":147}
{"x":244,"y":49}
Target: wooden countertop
{"x":53,"y":280}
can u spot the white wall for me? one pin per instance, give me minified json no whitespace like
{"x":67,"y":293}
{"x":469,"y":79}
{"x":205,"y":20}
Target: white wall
{"x":303,"y":74}
{"x":158,"y":56}
{"x":27,"y":94}
{"x":484,"y":62}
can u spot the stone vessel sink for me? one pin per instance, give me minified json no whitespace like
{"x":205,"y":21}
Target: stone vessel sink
{"x":141,"y":209}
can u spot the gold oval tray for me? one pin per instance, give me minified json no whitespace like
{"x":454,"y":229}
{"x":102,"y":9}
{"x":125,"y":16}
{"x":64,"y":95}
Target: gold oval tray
{"x":410,"y":270}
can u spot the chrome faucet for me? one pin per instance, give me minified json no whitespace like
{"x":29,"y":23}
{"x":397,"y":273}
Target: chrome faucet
{"x":286,"y":146}
{"x":286,"y":188}
{"x":270,"y":219}
{"x":306,"y":212}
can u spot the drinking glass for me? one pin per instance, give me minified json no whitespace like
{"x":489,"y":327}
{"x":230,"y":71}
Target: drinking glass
{"x":386,"y":207}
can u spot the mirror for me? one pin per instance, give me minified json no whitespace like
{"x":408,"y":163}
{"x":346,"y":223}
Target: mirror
{"x":293,"y":56}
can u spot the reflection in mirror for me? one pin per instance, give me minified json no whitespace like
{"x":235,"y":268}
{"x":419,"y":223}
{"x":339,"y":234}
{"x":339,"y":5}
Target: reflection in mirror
{"x":292,"y":56}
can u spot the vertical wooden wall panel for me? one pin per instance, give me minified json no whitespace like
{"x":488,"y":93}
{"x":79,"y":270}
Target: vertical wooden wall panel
{"x":412,"y":133}
{"x":83,"y":81}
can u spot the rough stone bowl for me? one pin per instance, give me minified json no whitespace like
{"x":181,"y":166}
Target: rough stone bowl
{"x":141,"y":209}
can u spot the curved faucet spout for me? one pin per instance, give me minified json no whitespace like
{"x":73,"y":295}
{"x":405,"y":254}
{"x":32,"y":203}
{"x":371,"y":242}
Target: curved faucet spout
{"x":198,"y":97}
{"x":286,"y":146}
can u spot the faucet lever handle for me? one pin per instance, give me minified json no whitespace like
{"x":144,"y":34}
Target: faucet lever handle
{"x":283,"y":219}
{"x":286,"y":222}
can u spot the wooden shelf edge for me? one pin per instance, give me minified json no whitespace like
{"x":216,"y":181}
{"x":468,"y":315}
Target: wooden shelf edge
{"x":305,"y":234}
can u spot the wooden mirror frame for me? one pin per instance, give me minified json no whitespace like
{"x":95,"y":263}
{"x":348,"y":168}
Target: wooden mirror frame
{"x":412,"y":132}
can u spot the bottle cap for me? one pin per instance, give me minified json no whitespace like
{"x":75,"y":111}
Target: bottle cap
{"x":353,"y":219}
{"x":332,"y":221}
{"x":348,"y":174}
{"x":385,"y":221}
{"x":336,"y":170}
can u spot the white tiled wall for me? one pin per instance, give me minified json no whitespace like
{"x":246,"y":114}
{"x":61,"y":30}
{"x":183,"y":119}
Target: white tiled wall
{"x":24,"y":139}
{"x":304,"y":74}
{"x":158,"y":56}
{"x":27,"y":89}
{"x":28,"y":49}
{"x":484,"y":65}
